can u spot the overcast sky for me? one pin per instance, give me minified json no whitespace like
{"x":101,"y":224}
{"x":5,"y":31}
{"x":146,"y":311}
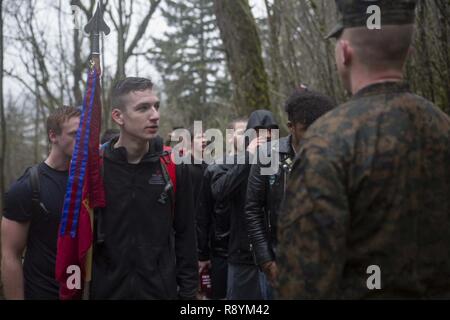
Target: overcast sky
{"x":47,"y":20}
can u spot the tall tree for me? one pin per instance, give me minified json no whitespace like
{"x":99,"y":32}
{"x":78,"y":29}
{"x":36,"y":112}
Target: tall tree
{"x":297,"y":46}
{"x":443,"y":8}
{"x":243,"y":50}
{"x":191,"y":61}
{"x":2,"y":115}
{"x":428,"y":69}
{"x":295,"y":31}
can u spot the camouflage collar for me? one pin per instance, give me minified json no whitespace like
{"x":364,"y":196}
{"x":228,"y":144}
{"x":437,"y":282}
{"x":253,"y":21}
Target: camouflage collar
{"x":382,"y":88}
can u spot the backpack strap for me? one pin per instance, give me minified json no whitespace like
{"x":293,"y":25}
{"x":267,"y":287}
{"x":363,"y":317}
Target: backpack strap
{"x":35,"y":190}
{"x":169,"y":163}
{"x":36,"y":205}
{"x":101,"y":156}
{"x":169,"y":171}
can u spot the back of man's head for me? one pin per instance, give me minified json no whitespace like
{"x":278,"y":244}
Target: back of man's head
{"x":127,"y":85}
{"x":383,"y":49}
{"x":59,"y":116}
{"x":305,"y":106}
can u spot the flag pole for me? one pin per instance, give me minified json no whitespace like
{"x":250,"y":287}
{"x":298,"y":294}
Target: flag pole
{"x":94,"y":28}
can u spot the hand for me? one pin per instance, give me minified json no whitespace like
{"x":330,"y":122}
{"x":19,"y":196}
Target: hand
{"x":255,"y":143}
{"x":203,"y":264}
{"x":270,"y":269}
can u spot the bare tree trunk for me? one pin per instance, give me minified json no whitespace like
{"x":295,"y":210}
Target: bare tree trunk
{"x":243,"y":50}
{"x":275,"y":55}
{"x":2,"y":116}
{"x":36,"y":119}
{"x":77,"y":68}
{"x":444,"y":21}
{"x":425,"y":52}
{"x":106,"y":112}
{"x":36,"y":143}
{"x":203,"y":58}
{"x":120,"y":73}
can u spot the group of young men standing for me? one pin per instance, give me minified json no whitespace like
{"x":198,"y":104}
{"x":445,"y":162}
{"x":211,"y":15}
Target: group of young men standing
{"x":366,"y":184}
{"x":148,"y":246}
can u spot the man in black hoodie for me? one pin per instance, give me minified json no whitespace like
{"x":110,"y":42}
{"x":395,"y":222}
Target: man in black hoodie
{"x":145,"y":246}
{"x":229,"y":185}
{"x":266,"y":192}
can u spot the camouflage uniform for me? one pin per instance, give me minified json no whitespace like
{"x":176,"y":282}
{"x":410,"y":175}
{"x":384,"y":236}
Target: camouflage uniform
{"x":370,"y":186}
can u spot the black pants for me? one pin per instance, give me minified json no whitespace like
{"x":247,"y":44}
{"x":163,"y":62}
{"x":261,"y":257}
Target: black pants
{"x":219,"y":269}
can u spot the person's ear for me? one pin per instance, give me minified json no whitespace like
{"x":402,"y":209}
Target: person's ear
{"x":52,"y":136}
{"x":345,"y":52}
{"x":117,"y":116}
{"x":290,"y":126}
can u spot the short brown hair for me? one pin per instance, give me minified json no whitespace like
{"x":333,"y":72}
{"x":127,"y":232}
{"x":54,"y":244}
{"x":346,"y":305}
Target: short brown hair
{"x":59,"y":116}
{"x":127,"y":85}
{"x":381,"y":49}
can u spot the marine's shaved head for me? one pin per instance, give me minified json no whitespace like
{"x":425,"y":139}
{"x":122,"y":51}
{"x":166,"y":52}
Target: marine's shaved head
{"x":382,"y":49}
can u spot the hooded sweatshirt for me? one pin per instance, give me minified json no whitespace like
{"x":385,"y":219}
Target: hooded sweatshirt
{"x":148,"y":250}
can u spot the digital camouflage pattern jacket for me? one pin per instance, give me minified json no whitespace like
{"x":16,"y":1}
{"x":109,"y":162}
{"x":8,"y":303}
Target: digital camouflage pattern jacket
{"x":370,"y":186}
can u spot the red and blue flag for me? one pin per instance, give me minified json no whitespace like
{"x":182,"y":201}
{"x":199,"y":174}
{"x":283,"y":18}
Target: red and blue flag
{"x":84,"y":194}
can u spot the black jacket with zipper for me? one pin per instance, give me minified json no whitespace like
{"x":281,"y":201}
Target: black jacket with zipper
{"x":196,"y":171}
{"x":229,"y":184}
{"x":213,"y":221}
{"x":264,"y":196}
{"x":145,"y":248}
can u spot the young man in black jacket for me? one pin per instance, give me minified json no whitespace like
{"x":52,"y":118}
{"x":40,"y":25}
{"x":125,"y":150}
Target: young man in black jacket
{"x":266,"y":192}
{"x":197,"y":166}
{"x":213,"y":223}
{"x":146,"y":247}
{"x":229,"y":185}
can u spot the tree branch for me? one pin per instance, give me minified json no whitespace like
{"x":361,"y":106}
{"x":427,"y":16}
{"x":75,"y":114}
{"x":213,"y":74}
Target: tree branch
{"x":142,"y":28}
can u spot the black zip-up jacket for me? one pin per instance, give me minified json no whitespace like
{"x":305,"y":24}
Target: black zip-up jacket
{"x":264,"y":196}
{"x":213,"y":221}
{"x":144,"y":249}
{"x":229,"y":183}
{"x":196,"y":172}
